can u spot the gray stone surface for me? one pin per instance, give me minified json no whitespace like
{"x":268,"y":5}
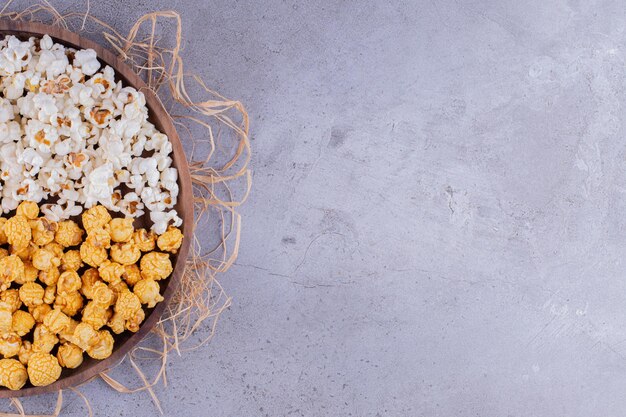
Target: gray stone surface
{"x":437,"y":226}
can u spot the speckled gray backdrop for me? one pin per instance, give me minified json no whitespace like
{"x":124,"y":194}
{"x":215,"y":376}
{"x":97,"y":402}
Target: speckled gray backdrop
{"x":438,"y":220}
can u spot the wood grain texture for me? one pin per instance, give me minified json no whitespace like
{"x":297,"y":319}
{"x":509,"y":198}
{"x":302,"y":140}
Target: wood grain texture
{"x":163,"y":122}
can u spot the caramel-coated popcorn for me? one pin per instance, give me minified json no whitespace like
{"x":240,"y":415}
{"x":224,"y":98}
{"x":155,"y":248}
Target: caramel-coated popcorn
{"x":71,"y":261}
{"x":44,"y":259}
{"x":10,"y":344}
{"x":69,"y":281}
{"x":11,"y":298}
{"x":43,"y":369}
{"x":125,"y":253}
{"x":13,"y":374}
{"x":171,"y":240}
{"x":144,"y":240}
{"x":17,"y":231}
{"x":43,"y":231}
{"x":68,"y":234}
{"x":31,"y":294}
{"x":148,"y":291}
{"x":69,"y":355}
{"x":121,"y":230}
{"x":11,"y":268}
{"x":96,"y":217}
{"x":132,"y":274}
{"x":155,"y":265}
{"x":92,"y":255}
{"x":103,"y":346}
{"x":99,"y":238}
{"x":70,"y":303}
{"x":28,"y":209}
{"x":22,"y":322}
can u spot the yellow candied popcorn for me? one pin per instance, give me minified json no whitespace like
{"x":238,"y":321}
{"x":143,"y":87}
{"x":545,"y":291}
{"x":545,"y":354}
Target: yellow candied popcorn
{"x":121,"y":230}
{"x":31,"y":294}
{"x":134,"y":322}
{"x":11,"y":268}
{"x":12,"y":299}
{"x":171,"y":240}
{"x":69,"y":355}
{"x":103,"y":347}
{"x":44,"y":259}
{"x":102,"y":294}
{"x":6,"y":318}
{"x":155,"y":265}
{"x":22,"y":322}
{"x":13,"y":374}
{"x":144,"y":240}
{"x":55,"y":248}
{"x":110,"y":272}
{"x":49,"y":276}
{"x":148,"y":291}
{"x":30,"y":274}
{"x":99,"y":238}
{"x":3,"y":236}
{"x":50,"y":294}
{"x":88,"y":279}
{"x":117,"y":324}
{"x":56,"y":320}
{"x":39,"y":312}
{"x":125,"y":253}
{"x":44,"y":339}
{"x":10,"y":344}
{"x":69,"y":234}
{"x":117,"y":288}
{"x":84,"y":336}
{"x":131,"y":275}
{"x":43,"y":230}
{"x":17,"y":231}
{"x":43,"y":369}
{"x":67,"y":334}
{"x":70,"y":303}
{"x":28,"y":209}
{"x":95,"y":314}
{"x":96,"y":217}
{"x":69,"y":281}
{"x":25,"y":351}
{"x":71,"y":260}
{"x":23,"y":253}
{"x":127,"y":304}
{"x":92,"y":255}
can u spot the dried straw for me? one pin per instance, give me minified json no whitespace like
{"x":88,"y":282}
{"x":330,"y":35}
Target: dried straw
{"x":221,"y":183}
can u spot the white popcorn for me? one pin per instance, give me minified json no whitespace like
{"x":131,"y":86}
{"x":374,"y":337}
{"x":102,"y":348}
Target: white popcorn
{"x":71,"y":133}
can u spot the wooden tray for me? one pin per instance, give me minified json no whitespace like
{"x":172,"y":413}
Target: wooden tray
{"x":90,"y":368}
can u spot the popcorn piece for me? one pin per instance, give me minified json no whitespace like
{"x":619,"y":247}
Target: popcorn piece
{"x":10,"y":344}
{"x":43,"y":231}
{"x":13,"y":374}
{"x":28,"y":209}
{"x":25,"y":351}
{"x":89,"y":278}
{"x":55,"y":248}
{"x":43,"y":369}
{"x":69,"y":355}
{"x":155,"y":265}
{"x":127,"y":304}
{"x":69,"y":234}
{"x":56,"y":320}
{"x":144,"y":240}
{"x":17,"y":231}
{"x":99,"y":238}
{"x":102,"y":294}
{"x":84,"y":336}
{"x":39,"y":312}
{"x":50,"y":276}
{"x":111,"y":272}
{"x":22,"y":322}
{"x":31,"y":294}
{"x":95,"y":314}
{"x":132,"y":274}
{"x":103,"y":347}
{"x":6,"y":319}
{"x":133,"y":323}
{"x":44,"y":339}
{"x":92,"y":255}
{"x":50,"y":294}
{"x":11,"y":298}
{"x":125,"y":253}
{"x":44,"y":259}
{"x":71,"y":261}
{"x":69,"y":281}
{"x":96,"y":217}
{"x":70,"y":303}
{"x":121,"y":230}
{"x":171,"y":240}
{"x":148,"y":291}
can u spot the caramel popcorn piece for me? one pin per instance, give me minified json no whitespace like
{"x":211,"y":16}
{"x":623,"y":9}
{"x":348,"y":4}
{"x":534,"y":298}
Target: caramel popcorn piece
{"x":44,"y":339}
{"x":144,"y":240}
{"x":69,"y":281}
{"x":25,"y":351}
{"x":10,"y":344}
{"x":17,"y":231}
{"x":171,"y":240}
{"x":22,"y":322}
{"x":69,"y":355}
{"x":30,"y":274}
{"x":125,"y":253}
{"x":71,"y":261}
{"x":43,"y":369}
{"x":148,"y":291}
{"x":155,"y":265}
{"x":131,"y":274}
{"x":31,"y":294}
{"x":55,"y":248}
{"x":127,"y":304}
{"x":102,"y":294}
{"x":13,"y":374}
{"x":50,"y":294}
{"x":96,"y":217}
{"x":99,"y":238}
{"x":91,"y":255}
{"x":11,"y":268}
{"x":117,"y":324}
{"x":121,"y":230}
{"x":39,"y":312}
{"x":44,"y":259}
{"x":67,"y":334}
{"x":95,"y":314}
{"x":69,"y":234}
{"x":12,"y":299}
{"x":134,"y":322}
{"x":28,"y":209}
{"x":56,"y":320}
{"x":23,"y":253}
{"x":70,"y":303}
{"x":89,"y":278}
{"x":84,"y":336}
{"x":6,"y":318}
{"x":111,"y":271}
{"x":49,"y":276}
{"x":103,"y":347}
{"x":43,"y":231}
